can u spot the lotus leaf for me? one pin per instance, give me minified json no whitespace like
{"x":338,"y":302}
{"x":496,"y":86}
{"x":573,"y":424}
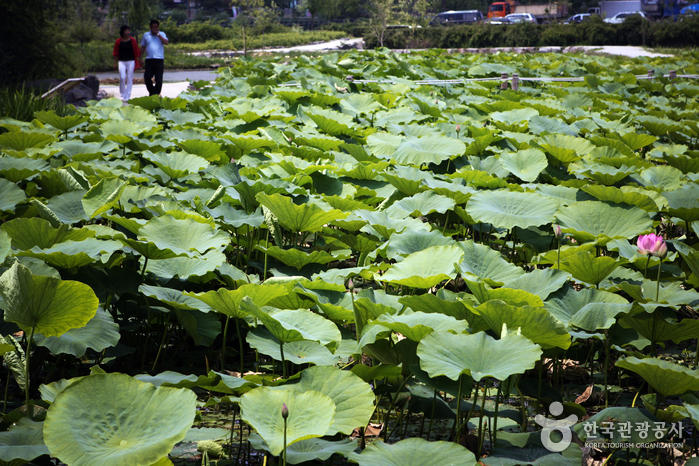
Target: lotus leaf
{"x":183,"y":236}
{"x":114,"y":419}
{"x":99,"y":333}
{"x":22,"y":442}
{"x":414,"y":452}
{"x":590,"y":220}
{"x":506,"y":209}
{"x":665,"y":377}
{"x":480,"y":355}
{"x":305,"y":217}
{"x":310,"y":415}
{"x":426,"y":268}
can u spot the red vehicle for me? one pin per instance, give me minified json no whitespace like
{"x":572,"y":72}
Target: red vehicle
{"x":542,"y":13}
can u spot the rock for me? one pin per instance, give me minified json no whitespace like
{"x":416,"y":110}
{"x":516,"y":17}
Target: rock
{"x":78,"y":96}
{"x":93,"y":83}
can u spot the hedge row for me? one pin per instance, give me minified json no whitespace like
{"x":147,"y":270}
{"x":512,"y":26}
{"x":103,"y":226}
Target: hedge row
{"x":634,"y":31}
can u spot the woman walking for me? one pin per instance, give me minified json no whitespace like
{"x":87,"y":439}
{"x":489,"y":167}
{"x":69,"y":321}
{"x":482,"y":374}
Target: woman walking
{"x":125,"y":54}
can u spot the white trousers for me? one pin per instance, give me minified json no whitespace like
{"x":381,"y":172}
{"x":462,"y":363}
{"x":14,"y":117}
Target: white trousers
{"x":126,"y":78}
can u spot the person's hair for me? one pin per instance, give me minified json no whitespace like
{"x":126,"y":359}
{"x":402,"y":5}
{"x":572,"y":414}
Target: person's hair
{"x":123,"y":29}
{"x":154,"y":21}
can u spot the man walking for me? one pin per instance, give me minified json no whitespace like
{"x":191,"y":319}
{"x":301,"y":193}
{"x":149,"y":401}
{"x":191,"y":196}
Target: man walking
{"x":153,"y":46}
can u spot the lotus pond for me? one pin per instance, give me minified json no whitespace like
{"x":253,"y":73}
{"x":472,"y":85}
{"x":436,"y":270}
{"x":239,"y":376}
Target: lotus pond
{"x":290,"y":267}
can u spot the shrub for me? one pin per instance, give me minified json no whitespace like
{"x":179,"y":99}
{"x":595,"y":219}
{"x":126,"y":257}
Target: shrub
{"x":21,"y":103}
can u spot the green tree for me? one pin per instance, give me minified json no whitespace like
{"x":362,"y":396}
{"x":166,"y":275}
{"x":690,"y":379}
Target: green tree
{"x":137,"y":13}
{"x":246,"y":15}
{"x":322,"y":8}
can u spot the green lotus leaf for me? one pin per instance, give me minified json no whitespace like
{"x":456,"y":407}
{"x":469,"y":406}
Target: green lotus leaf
{"x":121,"y":131}
{"x":73,"y":254}
{"x":353,"y":398}
{"x":357,"y":104}
{"x":416,"y":325}
{"x":420,"y":204}
{"x":296,"y":258}
{"x":202,"y":327}
{"x":684,"y":202}
{"x":587,"y":268}
{"x":228,"y":301}
{"x":663,"y":177}
{"x":186,"y":268}
{"x":331,"y":122}
{"x":23,"y":140}
{"x":297,"y":352}
{"x":47,"y":304}
{"x":382,"y":225}
{"x":67,"y":207}
{"x":309,"y":449}
{"x":510,"y":296}
{"x":589,"y":220}
{"x":114,"y":419}
{"x":507,"y":209}
{"x":541,"y":124}
{"x":426,"y":149}
{"x":151,"y":250}
{"x":310,"y":415}
{"x":224,"y":383}
{"x":655,"y":126}
{"x":411,"y":241}
{"x":541,"y":282}
{"x":209,"y":150}
{"x":173,"y":298}
{"x":318,"y":141}
{"x":304,"y":217}
{"x":525,"y":165}
{"x":535,"y":323}
{"x":666,"y":378}
{"x":181,"y":118}
{"x":566,"y":148}
{"x":408,"y":180}
{"x":22,"y":442}
{"x":183,"y":235}
{"x":5,"y":246}
{"x":102,"y":196}
{"x":10,"y":194}
{"x":426,"y":268}
{"x":414,"y":452}
{"x":16,"y":170}
{"x":99,"y":333}
{"x":480,"y":355}
{"x":482,"y":263}
{"x":383,"y":145}
{"x":444,"y":302}
{"x":176,"y":164}
{"x":63,"y":124}
{"x":177,"y":380}
{"x":295,"y":325}
{"x":617,"y":196}
{"x":657,"y":328}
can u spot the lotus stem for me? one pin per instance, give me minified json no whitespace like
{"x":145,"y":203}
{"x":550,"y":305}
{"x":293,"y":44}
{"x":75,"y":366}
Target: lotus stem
{"x":481,"y":434}
{"x":523,"y":427}
{"x":143,"y":271}
{"x":30,"y":405}
{"x":657,"y":285}
{"x":446,"y":220}
{"x":494,"y":435}
{"x":223,"y":346}
{"x":240,"y":343}
{"x":264,"y":274}
{"x":434,"y":405}
{"x":558,"y":261}
{"x":457,"y":431}
{"x":645,"y":271}
{"x":7,"y":387}
{"x":166,"y":332}
{"x":285,"y":415}
{"x":281,"y":350}
{"x":606,"y":368}
{"x":696,"y":357}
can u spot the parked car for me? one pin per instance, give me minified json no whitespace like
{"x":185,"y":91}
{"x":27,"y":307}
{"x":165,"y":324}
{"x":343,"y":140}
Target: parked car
{"x":578,"y":18}
{"x":690,"y":9}
{"x":458,"y":17}
{"x":522,"y":18}
{"x":502,"y":20}
{"x":621,"y":17}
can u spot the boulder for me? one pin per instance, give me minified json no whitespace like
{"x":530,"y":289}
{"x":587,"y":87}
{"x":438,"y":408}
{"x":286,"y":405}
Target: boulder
{"x":79,"y":95}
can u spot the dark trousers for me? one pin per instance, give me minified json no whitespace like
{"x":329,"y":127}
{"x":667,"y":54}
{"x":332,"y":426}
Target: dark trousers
{"x":154,"y":68}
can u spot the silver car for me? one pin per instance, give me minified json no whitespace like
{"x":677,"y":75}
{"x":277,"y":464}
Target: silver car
{"x":621,"y":17}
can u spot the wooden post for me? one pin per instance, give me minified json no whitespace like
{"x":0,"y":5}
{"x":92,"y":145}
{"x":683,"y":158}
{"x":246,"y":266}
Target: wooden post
{"x":503,"y":76}
{"x":673,"y":74}
{"x":515,"y":82}
{"x":651,"y":74}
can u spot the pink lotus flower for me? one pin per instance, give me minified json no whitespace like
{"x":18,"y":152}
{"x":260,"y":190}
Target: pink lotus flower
{"x":557,"y":232}
{"x":652,"y":244}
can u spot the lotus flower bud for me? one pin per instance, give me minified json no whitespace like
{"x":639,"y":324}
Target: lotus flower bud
{"x":557,"y":232}
{"x":285,"y":411}
{"x":350,"y":285}
{"x":458,"y":128}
